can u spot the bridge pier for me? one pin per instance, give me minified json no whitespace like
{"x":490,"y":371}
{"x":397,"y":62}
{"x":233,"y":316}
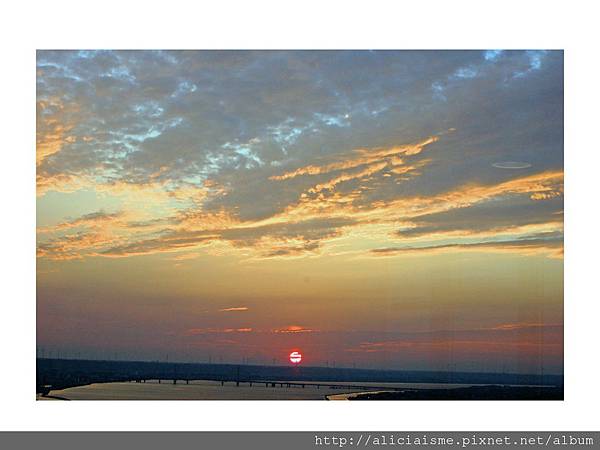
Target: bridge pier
{"x":237,"y":383}
{"x":187,"y":381}
{"x":159,"y":381}
{"x":174,"y":381}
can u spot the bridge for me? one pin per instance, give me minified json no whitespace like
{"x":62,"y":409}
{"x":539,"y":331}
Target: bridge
{"x":281,"y":384}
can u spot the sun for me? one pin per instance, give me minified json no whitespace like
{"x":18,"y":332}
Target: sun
{"x":295,"y":357}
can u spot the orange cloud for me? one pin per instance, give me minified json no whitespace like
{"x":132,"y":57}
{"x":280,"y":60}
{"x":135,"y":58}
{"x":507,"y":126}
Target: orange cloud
{"x":545,"y":195}
{"x":92,"y":220}
{"x":319,"y":215}
{"x":72,"y":246}
{"x":54,"y":123}
{"x":520,"y":326}
{"x":399,"y":209}
{"x":358,"y":158}
{"x":293,"y":329}
{"x":51,"y":129}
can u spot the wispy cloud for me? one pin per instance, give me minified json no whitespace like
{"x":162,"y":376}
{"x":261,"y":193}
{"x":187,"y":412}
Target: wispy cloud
{"x":523,"y":326}
{"x":552,"y":247}
{"x":203,"y":331}
{"x":375,"y":159}
{"x":91,"y":220}
{"x":311,"y":222}
{"x":293,"y":329}
{"x":504,"y":338}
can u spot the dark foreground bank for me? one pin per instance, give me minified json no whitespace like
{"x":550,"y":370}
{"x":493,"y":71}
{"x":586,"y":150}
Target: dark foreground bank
{"x":470,"y":393}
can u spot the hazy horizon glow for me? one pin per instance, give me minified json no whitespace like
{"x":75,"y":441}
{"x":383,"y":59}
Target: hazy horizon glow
{"x":385,"y":209}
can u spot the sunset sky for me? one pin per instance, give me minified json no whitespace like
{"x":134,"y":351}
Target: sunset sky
{"x":384,"y":209}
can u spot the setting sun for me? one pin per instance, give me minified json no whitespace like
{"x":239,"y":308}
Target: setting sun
{"x":295,"y":357}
